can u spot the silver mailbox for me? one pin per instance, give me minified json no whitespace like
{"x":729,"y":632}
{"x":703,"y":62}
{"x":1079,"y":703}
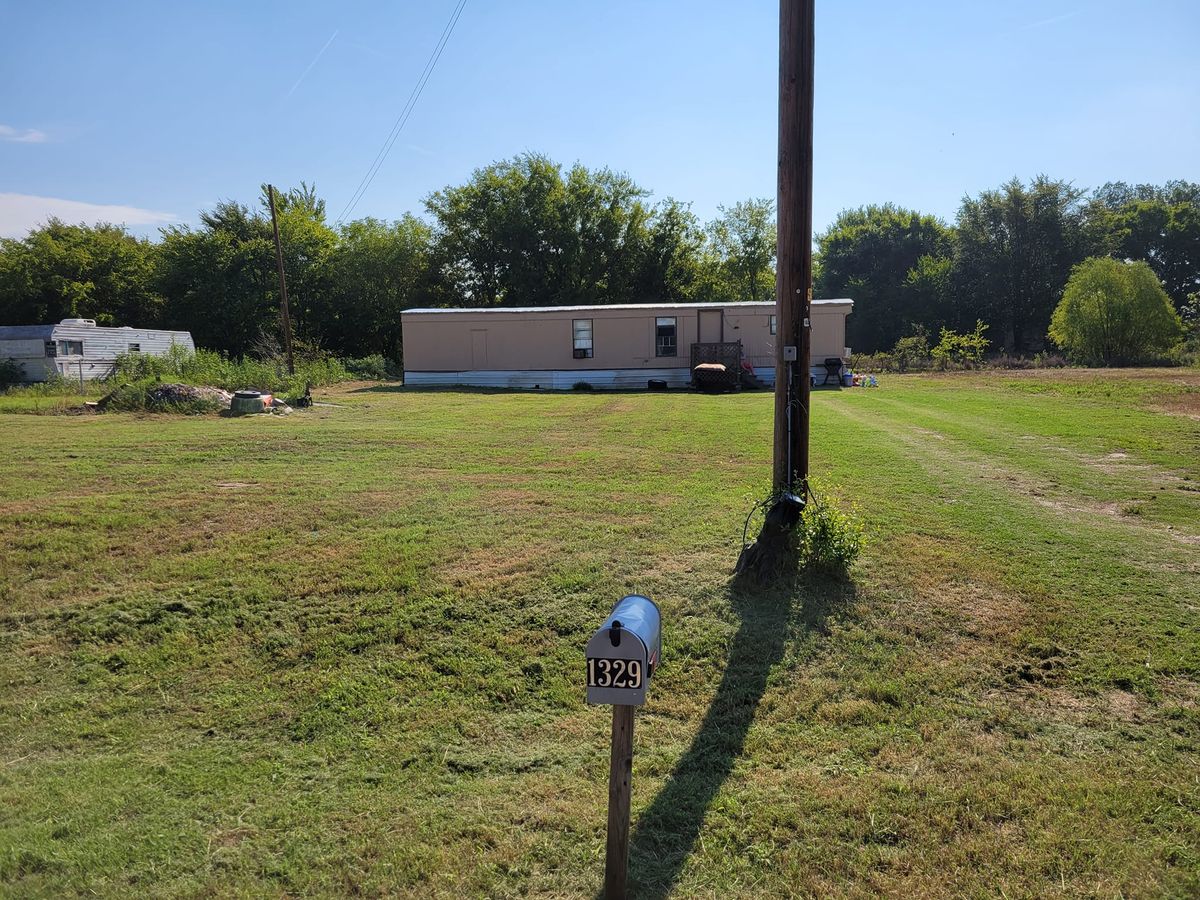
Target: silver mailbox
{"x":624,"y":653}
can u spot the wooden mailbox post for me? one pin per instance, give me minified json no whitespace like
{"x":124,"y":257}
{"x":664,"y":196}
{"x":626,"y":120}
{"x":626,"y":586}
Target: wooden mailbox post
{"x":622,"y":656}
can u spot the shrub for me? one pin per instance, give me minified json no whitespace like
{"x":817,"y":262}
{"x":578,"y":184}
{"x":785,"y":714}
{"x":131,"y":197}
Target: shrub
{"x":1049,"y":360}
{"x":582,"y":386}
{"x":1114,"y":313}
{"x":209,"y":368}
{"x":830,"y":540}
{"x":965,"y":351}
{"x":872,"y":362}
{"x":374,"y":367}
{"x":1008,"y":361}
{"x":912,"y":352}
{"x":10,"y":373}
{"x":141,"y":395}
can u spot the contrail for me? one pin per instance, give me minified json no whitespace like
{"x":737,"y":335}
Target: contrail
{"x":1052,"y":20}
{"x":304,"y":74}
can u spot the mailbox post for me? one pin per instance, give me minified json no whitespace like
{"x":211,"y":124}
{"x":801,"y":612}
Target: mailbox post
{"x":622,"y":657}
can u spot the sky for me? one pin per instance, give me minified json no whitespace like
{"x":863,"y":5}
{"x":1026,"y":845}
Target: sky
{"x":145,"y":113}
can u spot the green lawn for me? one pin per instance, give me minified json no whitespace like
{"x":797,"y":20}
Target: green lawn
{"x":341,"y":652}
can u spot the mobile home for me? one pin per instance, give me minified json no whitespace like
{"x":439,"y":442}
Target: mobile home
{"x":77,"y":348}
{"x":623,"y":345}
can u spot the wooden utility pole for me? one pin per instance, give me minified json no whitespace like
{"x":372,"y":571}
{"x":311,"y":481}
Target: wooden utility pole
{"x":620,"y":771}
{"x":283,"y":301}
{"x":793,"y":281}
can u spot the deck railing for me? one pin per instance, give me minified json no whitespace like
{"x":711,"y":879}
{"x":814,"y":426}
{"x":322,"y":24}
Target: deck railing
{"x":727,"y":353}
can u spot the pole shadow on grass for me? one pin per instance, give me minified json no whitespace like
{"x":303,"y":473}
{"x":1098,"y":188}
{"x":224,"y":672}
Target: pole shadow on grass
{"x":667,"y":830}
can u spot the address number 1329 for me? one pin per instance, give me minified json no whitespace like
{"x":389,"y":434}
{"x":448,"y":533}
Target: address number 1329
{"x":614,"y":673}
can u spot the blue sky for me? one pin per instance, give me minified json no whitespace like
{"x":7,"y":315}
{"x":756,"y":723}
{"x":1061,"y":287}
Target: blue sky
{"x":147,"y":112}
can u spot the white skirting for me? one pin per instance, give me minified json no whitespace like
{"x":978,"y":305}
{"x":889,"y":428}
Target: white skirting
{"x":565,"y":379}
{"x":550,"y":379}
{"x":766,"y":374}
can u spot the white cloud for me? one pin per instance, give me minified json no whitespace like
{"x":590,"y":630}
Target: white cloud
{"x":18,"y":136}
{"x":21,"y":212}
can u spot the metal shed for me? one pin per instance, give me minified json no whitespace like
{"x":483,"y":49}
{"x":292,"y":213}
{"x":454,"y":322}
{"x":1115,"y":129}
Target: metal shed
{"x":81,"y":348}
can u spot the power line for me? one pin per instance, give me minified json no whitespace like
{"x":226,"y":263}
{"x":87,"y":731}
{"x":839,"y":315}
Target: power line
{"x":402,"y":119}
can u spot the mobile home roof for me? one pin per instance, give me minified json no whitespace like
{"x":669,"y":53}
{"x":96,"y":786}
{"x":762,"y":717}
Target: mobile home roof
{"x":633,"y":306}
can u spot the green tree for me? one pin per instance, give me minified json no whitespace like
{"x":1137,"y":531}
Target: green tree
{"x":62,"y":271}
{"x":308,"y":244}
{"x":1014,"y":252}
{"x":1114,"y":313}
{"x":377,"y":271}
{"x":519,"y":233}
{"x":744,"y":239}
{"x":894,"y":264}
{"x":219,"y":279}
{"x":1158,"y":224}
{"x":674,"y":257}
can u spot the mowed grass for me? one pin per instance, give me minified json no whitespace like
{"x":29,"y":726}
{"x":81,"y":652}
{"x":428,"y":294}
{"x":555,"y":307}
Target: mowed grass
{"x":341,"y":652}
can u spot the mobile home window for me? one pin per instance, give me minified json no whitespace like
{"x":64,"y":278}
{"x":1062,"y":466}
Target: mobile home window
{"x":581,"y":338}
{"x":51,"y":348}
{"x":664,"y":336}
{"x":772,"y":320}
{"x":135,"y":348}
{"x":70,"y":348}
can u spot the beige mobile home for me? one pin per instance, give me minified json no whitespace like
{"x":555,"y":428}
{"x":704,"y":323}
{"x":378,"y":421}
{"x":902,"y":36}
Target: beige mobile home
{"x":618,"y":346}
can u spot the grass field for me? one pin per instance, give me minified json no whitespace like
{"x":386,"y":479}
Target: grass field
{"x":341,"y":652}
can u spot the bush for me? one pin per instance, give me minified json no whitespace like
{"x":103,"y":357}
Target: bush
{"x":1114,"y":313}
{"x":963,"y":351}
{"x":10,"y":373}
{"x":1049,"y":360}
{"x":1008,"y":361}
{"x":374,"y":367}
{"x":140,"y":396}
{"x":582,"y":386}
{"x":912,"y":352}
{"x":209,"y":368}
{"x":830,"y":540}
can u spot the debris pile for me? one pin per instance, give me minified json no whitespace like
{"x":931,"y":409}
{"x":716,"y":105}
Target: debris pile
{"x":173,"y":394}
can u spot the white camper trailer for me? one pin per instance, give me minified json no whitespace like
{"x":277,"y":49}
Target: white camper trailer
{"x":79,"y":348}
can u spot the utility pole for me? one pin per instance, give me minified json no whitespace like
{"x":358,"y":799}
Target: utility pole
{"x":773,"y":550}
{"x":283,"y":301}
{"x":793,"y":282}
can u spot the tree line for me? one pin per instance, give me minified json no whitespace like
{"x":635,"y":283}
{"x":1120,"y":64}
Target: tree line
{"x":1005,"y":261}
{"x":520,"y":232}
{"x":529,"y":232}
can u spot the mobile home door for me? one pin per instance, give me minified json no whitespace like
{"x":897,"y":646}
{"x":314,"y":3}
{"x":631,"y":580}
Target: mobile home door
{"x":711,"y":326}
{"x":478,"y":349}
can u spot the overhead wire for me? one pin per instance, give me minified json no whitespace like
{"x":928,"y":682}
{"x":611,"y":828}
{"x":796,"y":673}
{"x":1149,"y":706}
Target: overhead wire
{"x":405,"y":113}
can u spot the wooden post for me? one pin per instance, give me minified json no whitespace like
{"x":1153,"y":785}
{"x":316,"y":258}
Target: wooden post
{"x":283,"y":301}
{"x":620,"y":771}
{"x":793,"y":282}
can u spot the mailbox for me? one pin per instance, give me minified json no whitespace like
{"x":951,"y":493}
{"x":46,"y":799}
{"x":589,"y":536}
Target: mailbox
{"x":623,"y":654}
